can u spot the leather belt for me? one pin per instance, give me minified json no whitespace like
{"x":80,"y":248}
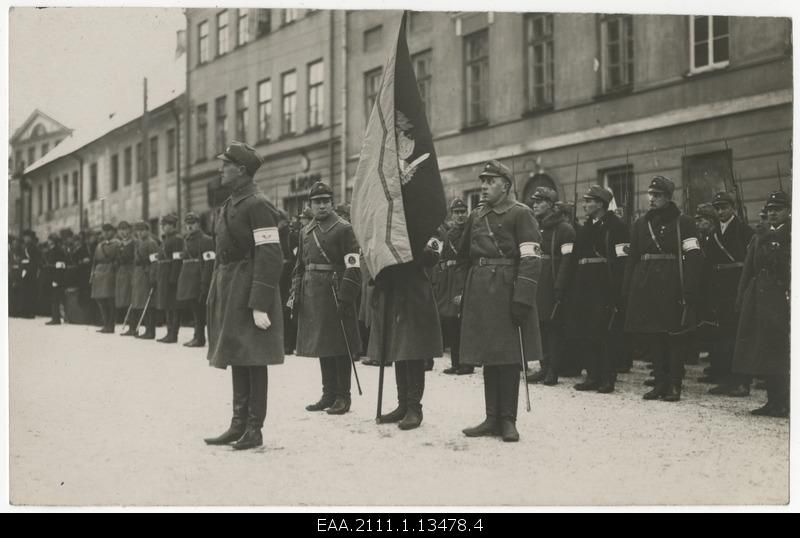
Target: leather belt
{"x":191,"y":260}
{"x":734,"y":265}
{"x":495,"y":261}
{"x":323,"y":267}
{"x":585,"y":261}
{"x":646,"y":257}
{"x":546,"y":257}
{"x":448,"y":263}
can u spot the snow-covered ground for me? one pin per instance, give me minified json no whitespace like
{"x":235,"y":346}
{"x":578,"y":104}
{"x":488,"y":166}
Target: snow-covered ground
{"x":103,"y":420}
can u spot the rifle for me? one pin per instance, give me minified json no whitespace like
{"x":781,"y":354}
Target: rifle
{"x":344,"y":334}
{"x":740,"y":209}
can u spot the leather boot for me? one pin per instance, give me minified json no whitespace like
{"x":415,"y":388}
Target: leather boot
{"x":539,"y":376}
{"x":241,"y":396}
{"x":416,"y":387}
{"x":509,"y":401}
{"x":658,"y":392}
{"x":256,"y":408}
{"x":490,"y":426}
{"x":343,"y":370}
{"x":251,"y":439}
{"x":327,"y":366}
{"x":428,"y":364}
{"x":673,"y":393}
{"x":150,"y":327}
{"x":401,"y":380}
{"x":129,"y":332}
{"x":589,"y":384}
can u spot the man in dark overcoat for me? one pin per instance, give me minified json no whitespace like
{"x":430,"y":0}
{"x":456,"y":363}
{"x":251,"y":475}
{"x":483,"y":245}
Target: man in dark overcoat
{"x":662,"y":279}
{"x":501,"y":246}
{"x":558,"y":237}
{"x":245,"y":314}
{"x":195,"y":275}
{"x":103,"y":277}
{"x":169,"y":269}
{"x":326,"y":284}
{"x":144,"y":282}
{"x":123,"y":281}
{"x":762,"y":341}
{"x":30,"y":261}
{"x":56,"y":267}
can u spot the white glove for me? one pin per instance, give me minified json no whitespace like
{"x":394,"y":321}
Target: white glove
{"x":261,"y":319}
{"x":457,"y":300}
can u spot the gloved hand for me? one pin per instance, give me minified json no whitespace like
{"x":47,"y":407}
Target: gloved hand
{"x":457,"y":300}
{"x":519,"y":313}
{"x":429,"y":257}
{"x":261,"y":319}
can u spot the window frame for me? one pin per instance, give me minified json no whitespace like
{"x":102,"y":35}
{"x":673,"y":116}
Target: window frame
{"x":201,"y":129}
{"x":93,"y":186}
{"x":291,"y":97}
{"x":75,"y":188}
{"x":223,"y":31}
{"x":220,"y":127}
{"x":317,"y":88}
{"x":375,"y":74}
{"x":712,"y":65}
{"x":65,"y":189}
{"x":264,"y":127}
{"x":467,"y":63}
{"x":203,"y":48}
{"x":547,"y":39}
{"x":242,"y":30}
{"x":627,"y":55}
{"x":425,"y":81}
{"x":127,"y":166}
{"x":114,"y":164}
{"x":242,"y":105}
{"x":289,"y":16}
{"x":153,"y":163}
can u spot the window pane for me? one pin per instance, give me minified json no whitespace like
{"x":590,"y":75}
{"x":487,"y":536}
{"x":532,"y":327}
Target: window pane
{"x":720,"y":26}
{"x":721,"y":49}
{"x":701,"y":54}
{"x":613,"y":31}
{"x":700,"y":29}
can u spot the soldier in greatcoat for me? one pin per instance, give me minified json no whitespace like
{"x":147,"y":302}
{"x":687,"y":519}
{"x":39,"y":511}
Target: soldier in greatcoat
{"x":169,"y":269}
{"x":124,"y":278}
{"x":245,"y":314}
{"x":554,"y":281}
{"x":448,"y":280}
{"x":326,"y":284}
{"x":501,"y":246}
{"x":195,"y":275}
{"x":595,"y":312}
{"x":662,"y":279}
{"x":762,"y":341}
{"x":144,"y":282}
{"x":103,"y":277}
{"x":56,"y":268}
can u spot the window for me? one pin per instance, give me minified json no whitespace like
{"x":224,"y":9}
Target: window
{"x":114,"y":172}
{"x":170,"y":150}
{"x":620,"y":180}
{"x":420,"y":21}
{"x":49,"y":195}
{"x":139,"y":163}
{"x":242,"y":102}
{"x":45,"y":148}
{"x":263,"y":22}
{"x":289,"y":92}
{"x":202,"y":133}
{"x":202,"y":46}
{"x":19,"y":164}
{"x":40,"y":197}
{"x":31,"y":155}
{"x":243,"y":33}
{"x":476,"y":76}
{"x":57,"y":193}
{"x":372,"y":84}
{"x":710,"y":42}
{"x":422,"y":71}
{"x":289,"y":16}
{"x":316,"y":100}
{"x":75,"y":189}
{"x":153,"y":156}
{"x":539,"y":60}
{"x":221,"y":123}
{"x":127,"y":157}
{"x":65,"y":189}
{"x":373,"y":38}
{"x":222,"y":32}
{"x":264,"y":109}
{"x":473,"y":197}
{"x":617,"y":36}
{"x":92,"y":182}
{"x":704,"y":174}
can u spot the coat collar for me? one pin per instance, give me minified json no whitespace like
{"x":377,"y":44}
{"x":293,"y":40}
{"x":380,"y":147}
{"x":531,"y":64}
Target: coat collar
{"x":500,"y":208}
{"x":330,"y":223}
{"x":551,"y":220}
{"x":243,"y":191}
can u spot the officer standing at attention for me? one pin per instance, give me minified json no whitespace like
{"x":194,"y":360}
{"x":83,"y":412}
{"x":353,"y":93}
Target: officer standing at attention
{"x":245,"y":315}
{"x":502,"y":247}
{"x":56,"y":267}
{"x":196,"y":268}
{"x":143,"y":282}
{"x":169,"y":268}
{"x":662,"y":280}
{"x":557,"y":244}
{"x":124,"y":278}
{"x":103,"y":277}
{"x":326,"y":284}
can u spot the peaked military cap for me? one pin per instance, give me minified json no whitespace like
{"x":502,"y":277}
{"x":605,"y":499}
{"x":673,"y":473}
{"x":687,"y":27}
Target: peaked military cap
{"x":190,"y":218}
{"x":123,"y":225}
{"x":108,"y":227}
{"x":495,"y":168}
{"x":706,"y":210}
{"x":169,"y":219}
{"x":66,"y":233}
{"x":320,"y":190}
{"x":242,"y":154}
{"x":661,"y":184}
{"x":777,"y":199}
{"x":141,"y":225}
{"x":600,"y":193}
{"x":723,"y":198}
{"x":545,"y":193}
{"x":458,"y":204}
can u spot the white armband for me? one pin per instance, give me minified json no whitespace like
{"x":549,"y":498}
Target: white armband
{"x":25,"y":261}
{"x":352,"y":260}
{"x":435,"y":244}
{"x":154,"y":257}
{"x":530,"y":250}
{"x":621,"y":249}
{"x":566,"y":248}
{"x":61,"y":265}
{"x":177,"y":255}
{"x":690,"y":243}
{"x":209,"y":255}
{"x":266,"y":236}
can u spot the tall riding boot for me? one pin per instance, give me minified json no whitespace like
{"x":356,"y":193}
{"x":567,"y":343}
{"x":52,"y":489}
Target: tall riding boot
{"x":105,"y":315}
{"x":455,"y":350}
{"x":172,"y":322}
{"x":241,"y":395}
{"x":327,"y":366}
{"x":256,"y":409}
{"x":199,"y":338}
{"x":678,"y":349}
{"x":449,"y":341}
{"x":555,"y":349}
{"x":401,"y":380}
{"x":150,"y":326}
{"x":591,"y":351}
{"x":509,"y":400}
{"x":608,"y":369}
{"x":416,"y":387}
{"x":343,"y":376}
{"x":657,"y":353}
{"x":491,"y":396}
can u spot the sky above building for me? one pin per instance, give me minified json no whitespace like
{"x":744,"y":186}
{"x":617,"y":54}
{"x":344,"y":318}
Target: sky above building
{"x":83,"y":65}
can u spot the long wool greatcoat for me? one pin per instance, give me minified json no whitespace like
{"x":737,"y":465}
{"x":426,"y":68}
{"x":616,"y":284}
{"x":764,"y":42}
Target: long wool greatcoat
{"x":558,"y":239}
{"x":167,"y":272}
{"x":145,"y":262}
{"x":448,"y":277}
{"x":762,"y":342}
{"x":196,"y":267}
{"x":246,"y":275}
{"x":488,"y":335}
{"x":103,"y":271}
{"x":124,"y":279}
{"x":653,"y":286}
{"x":320,"y":269}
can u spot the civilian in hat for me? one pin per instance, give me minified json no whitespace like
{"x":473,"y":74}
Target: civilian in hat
{"x":103,"y":277}
{"x":124,"y":277}
{"x":725,"y":252}
{"x":168,"y":270}
{"x":558,"y":238}
{"x":245,"y":315}
{"x":501,"y":246}
{"x":447,"y":279}
{"x":56,"y":268}
{"x":326,"y":284}
{"x":195,"y":276}
{"x":762,"y":341}
{"x":143,"y":281}
{"x":662,"y":280}
{"x":595,"y":308}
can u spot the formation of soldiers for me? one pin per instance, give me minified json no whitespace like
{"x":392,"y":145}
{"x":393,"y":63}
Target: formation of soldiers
{"x":503,"y":286}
